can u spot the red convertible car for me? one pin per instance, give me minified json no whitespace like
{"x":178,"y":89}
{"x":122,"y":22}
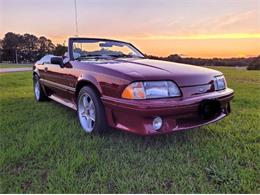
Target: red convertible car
{"x":111,"y":84}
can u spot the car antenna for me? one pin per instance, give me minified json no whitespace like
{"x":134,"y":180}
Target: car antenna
{"x":76,"y":18}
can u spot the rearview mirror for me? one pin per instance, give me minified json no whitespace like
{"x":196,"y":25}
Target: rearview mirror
{"x":57,"y":60}
{"x":106,"y":44}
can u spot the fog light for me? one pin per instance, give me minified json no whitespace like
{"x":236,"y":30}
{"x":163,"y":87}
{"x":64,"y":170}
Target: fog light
{"x":157,"y":123}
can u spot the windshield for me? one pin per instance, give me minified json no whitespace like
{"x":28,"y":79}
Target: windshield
{"x":89,"y":49}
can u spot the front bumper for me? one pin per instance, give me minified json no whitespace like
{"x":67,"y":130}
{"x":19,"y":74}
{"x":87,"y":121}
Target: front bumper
{"x":177,"y":113}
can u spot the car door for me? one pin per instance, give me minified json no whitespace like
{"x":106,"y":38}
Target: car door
{"x":60,"y":80}
{"x":42,"y":65}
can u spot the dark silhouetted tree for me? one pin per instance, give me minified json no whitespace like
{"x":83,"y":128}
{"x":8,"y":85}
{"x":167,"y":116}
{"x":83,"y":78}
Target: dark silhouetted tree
{"x":45,"y":46}
{"x":29,"y":49}
{"x":60,"y":50}
{"x":1,"y":50}
{"x":174,"y":58}
{"x":11,"y":46}
{"x":238,"y":62}
{"x":255,"y":64}
{"x":25,"y":48}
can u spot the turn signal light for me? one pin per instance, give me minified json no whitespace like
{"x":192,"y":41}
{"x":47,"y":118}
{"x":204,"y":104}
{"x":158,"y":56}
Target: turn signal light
{"x":134,"y":91}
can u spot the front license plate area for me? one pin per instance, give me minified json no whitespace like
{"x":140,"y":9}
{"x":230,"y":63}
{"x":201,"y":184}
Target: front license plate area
{"x":209,"y":109}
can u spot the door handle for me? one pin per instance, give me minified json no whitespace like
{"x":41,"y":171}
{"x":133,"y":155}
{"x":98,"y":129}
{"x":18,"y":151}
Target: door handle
{"x":46,"y":69}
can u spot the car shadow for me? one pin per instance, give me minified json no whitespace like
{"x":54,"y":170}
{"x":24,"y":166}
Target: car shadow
{"x":115,"y":136}
{"x":121,"y":136}
{"x":154,"y":141}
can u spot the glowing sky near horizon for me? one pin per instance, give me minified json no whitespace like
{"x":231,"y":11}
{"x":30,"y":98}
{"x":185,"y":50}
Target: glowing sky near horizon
{"x":200,"y":28}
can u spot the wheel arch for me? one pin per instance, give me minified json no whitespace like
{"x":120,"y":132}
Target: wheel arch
{"x":36,"y":73}
{"x":85,"y":82}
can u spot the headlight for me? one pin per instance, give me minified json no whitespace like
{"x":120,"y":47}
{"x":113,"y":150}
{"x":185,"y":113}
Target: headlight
{"x":220,"y":83}
{"x":151,"y":89}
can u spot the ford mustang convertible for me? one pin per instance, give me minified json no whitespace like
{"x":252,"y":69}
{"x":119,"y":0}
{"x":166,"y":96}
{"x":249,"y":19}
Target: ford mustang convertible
{"x":111,"y":84}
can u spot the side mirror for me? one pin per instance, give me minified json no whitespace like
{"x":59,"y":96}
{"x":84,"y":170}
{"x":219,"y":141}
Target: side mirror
{"x":57,"y":60}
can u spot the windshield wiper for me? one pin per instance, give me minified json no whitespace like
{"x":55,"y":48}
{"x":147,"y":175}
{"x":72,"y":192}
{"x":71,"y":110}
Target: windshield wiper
{"x":95,"y":56}
{"x":120,"y":56}
{"x":124,"y":56}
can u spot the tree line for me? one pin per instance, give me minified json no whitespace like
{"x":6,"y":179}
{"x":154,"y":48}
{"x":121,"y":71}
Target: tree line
{"x":252,"y":63}
{"x":27,"y":48}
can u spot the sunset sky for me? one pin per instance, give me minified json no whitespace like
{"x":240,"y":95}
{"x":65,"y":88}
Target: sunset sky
{"x":199,"y":28}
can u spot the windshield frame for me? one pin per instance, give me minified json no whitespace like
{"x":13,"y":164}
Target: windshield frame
{"x":78,"y":39}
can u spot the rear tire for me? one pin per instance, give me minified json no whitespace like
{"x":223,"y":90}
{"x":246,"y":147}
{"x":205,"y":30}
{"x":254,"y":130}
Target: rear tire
{"x":91,"y":111}
{"x":39,"y":94}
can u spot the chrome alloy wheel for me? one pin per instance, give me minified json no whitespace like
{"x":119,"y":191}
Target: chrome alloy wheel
{"x":86,"y":112}
{"x":37,"y":89}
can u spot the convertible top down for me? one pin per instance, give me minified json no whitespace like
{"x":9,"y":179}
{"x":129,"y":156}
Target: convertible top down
{"x":111,"y":84}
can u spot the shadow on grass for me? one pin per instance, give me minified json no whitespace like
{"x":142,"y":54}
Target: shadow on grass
{"x":45,"y":111}
{"x":116,"y":135}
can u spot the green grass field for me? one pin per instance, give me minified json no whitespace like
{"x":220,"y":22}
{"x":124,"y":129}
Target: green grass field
{"x":44,"y":150}
{"x":4,"y":65}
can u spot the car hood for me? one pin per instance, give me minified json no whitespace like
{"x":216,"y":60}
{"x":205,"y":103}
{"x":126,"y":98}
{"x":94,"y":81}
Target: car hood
{"x":147,"y":69}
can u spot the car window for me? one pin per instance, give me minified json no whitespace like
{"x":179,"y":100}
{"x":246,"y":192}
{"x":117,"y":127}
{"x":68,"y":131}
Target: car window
{"x":46,"y":59}
{"x":89,"y":49}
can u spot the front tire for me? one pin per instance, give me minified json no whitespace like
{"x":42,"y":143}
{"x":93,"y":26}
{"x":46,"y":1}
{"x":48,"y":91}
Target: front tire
{"x":39,"y":94}
{"x":90,"y":111}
